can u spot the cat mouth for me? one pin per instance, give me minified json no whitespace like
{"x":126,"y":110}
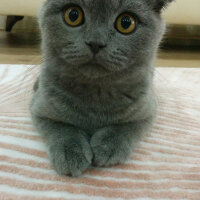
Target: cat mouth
{"x":94,"y":63}
{"x":96,"y":66}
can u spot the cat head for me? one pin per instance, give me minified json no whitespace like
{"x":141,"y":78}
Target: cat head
{"x":108,"y":34}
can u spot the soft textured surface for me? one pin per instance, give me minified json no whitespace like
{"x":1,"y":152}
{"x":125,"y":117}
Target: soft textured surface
{"x":165,"y":165}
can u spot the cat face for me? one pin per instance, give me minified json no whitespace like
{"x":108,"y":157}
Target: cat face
{"x":110,"y":34}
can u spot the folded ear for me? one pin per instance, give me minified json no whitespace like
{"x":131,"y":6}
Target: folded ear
{"x":160,"y":4}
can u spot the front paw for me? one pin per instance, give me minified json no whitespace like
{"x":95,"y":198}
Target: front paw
{"x":109,"y":148}
{"x":72,"y":157}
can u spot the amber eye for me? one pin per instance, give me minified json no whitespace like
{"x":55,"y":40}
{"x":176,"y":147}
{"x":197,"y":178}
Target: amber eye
{"x":125,"y":23}
{"x":74,"y":16}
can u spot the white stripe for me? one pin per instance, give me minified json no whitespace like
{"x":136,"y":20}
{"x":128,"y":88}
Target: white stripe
{"x":14,"y":73}
{"x":28,"y":179}
{"x":18,"y":119}
{"x":90,"y":187}
{"x":185,"y":140}
{"x":33,"y":169}
{"x":162,"y":147}
{"x":35,"y":145}
{"x":21,"y":155}
{"x":149,"y":172}
{"x":158,"y":163}
{"x":50,"y":194}
{"x":178,"y":129}
{"x":195,"y":148}
{"x":29,"y":132}
{"x":19,"y":125}
{"x":178,"y":121}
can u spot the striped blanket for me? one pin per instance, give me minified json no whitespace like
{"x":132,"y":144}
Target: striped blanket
{"x":165,"y":165}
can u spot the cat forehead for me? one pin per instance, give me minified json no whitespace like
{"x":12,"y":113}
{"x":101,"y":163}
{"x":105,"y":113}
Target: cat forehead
{"x":115,"y":4}
{"x":103,"y":8}
{"x":101,"y":4}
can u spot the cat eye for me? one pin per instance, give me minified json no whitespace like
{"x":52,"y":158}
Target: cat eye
{"x":74,"y":16}
{"x":125,"y":23}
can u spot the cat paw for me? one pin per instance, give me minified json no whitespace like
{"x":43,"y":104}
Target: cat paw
{"x":71,"y":158}
{"x":109,"y":148}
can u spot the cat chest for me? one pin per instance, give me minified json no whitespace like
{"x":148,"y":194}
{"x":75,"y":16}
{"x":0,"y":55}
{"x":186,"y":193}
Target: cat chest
{"x":94,"y":112}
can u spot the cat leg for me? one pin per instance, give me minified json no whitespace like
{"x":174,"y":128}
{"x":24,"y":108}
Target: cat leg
{"x":69,"y":149}
{"x":114,"y":144}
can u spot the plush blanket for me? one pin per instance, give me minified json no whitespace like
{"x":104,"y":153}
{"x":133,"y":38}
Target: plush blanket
{"x":165,"y":164}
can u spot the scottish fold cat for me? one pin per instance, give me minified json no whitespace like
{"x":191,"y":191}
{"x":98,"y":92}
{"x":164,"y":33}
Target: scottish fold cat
{"x":94,"y":97}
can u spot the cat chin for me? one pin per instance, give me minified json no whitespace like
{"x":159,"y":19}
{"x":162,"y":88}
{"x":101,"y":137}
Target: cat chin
{"x":115,"y":67}
{"x":109,"y":66}
{"x":93,"y":70}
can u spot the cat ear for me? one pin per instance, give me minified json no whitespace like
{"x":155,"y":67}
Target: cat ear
{"x":161,"y":4}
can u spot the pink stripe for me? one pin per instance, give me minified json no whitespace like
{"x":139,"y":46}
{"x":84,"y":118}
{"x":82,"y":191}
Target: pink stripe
{"x":98,"y":192}
{"x":134,"y":166}
{"x":23,"y":149}
{"x":112,"y":184}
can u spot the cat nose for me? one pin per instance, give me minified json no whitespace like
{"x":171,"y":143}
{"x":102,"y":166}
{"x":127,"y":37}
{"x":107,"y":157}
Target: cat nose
{"x":95,"y":47}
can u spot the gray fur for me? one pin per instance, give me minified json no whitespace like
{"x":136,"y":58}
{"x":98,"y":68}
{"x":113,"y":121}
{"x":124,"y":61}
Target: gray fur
{"x":93,"y":113}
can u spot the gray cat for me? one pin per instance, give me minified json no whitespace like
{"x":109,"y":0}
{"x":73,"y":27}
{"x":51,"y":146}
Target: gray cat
{"x":94,"y":98}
